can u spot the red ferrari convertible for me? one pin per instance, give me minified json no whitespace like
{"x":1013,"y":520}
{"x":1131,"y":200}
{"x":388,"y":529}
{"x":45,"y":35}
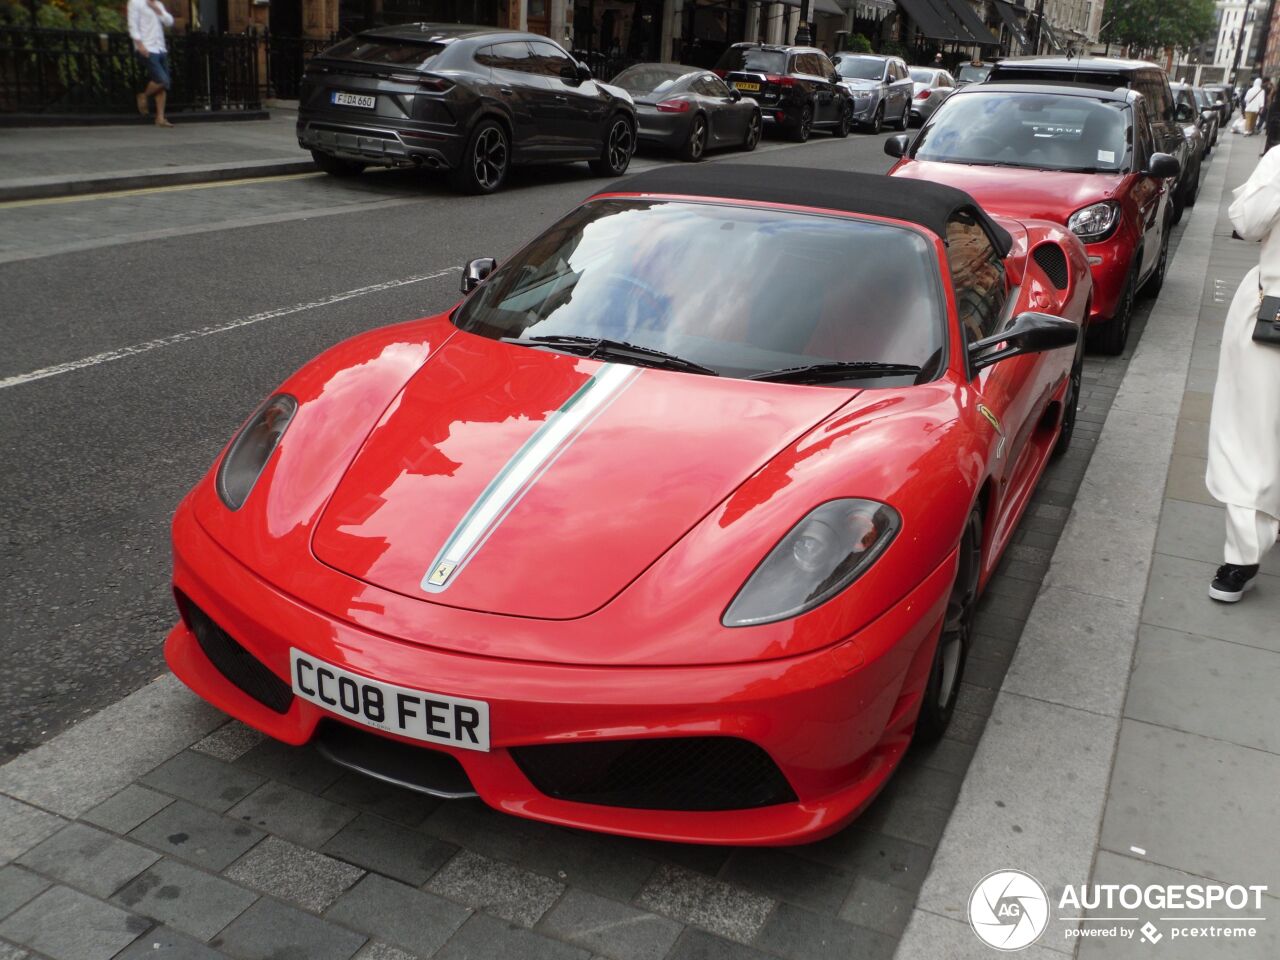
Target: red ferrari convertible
{"x":673,"y":528}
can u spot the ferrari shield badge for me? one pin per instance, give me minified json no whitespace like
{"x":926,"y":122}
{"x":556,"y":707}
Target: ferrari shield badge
{"x":995,"y":423}
{"x":441,"y":573}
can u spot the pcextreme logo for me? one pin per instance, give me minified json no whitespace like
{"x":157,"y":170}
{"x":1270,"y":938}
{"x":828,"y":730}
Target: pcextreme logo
{"x":1010,"y":910}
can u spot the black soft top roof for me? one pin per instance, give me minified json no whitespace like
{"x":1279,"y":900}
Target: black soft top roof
{"x":929,"y":205}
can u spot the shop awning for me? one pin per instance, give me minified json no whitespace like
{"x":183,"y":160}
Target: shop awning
{"x":1010,"y":18}
{"x":1048,"y":34}
{"x":932,"y":22}
{"x":815,"y":6}
{"x":971,"y":23}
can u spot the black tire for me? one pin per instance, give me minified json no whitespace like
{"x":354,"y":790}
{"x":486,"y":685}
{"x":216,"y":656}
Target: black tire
{"x":841,"y":129}
{"x":696,"y":145}
{"x":804,"y":126}
{"x":486,"y":160}
{"x":877,"y":119}
{"x":754,"y":127}
{"x":336,"y":166}
{"x":615,"y":152}
{"x":904,"y":120}
{"x":1110,"y":338}
{"x":947,"y":669}
{"x":1070,"y":404}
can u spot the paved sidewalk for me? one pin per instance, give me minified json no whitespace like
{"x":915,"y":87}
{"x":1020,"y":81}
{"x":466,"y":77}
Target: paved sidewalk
{"x":1136,"y":737}
{"x":60,"y":161}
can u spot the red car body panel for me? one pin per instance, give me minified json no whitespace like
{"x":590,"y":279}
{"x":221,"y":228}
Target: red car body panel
{"x":1054,"y":195}
{"x":598,"y":616}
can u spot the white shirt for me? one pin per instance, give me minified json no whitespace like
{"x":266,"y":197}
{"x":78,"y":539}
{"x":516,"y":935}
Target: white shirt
{"x":1253,"y":100}
{"x":148,"y":26}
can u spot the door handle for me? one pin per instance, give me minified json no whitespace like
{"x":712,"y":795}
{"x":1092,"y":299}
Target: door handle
{"x":506,"y":91}
{"x":561,"y":98}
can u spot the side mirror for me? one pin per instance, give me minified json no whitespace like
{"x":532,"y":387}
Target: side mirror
{"x":475,"y":272}
{"x":835,"y":76}
{"x":1162,"y":166}
{"x":735,"y":93}
{"x":569,"y":73}
{"x":1184,"y":113}
{"x":898,"y":146}
{"x":1029,"y":333}
{"x":584,"y":72}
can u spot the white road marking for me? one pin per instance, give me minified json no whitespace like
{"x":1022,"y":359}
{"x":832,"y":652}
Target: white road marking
{"x":122,"y":353}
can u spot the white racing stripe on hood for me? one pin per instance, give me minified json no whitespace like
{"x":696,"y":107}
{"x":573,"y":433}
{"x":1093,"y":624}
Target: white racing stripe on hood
{"x":520,"y":472}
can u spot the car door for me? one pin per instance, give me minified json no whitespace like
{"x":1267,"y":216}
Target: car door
{"x":832,"y":92}
{"x":726,"y":117}
{"x":1150,"y":195}
{"x":579,"y":106}
{"x":903,"y":87}
{"x":526,"y":95}
{"x":807,"y":75}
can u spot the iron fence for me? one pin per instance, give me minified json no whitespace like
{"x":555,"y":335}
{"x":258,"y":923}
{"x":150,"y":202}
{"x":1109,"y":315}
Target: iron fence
{"x":603,"y":66}
{"x":286,"y":59}
{"x":83,"y":72}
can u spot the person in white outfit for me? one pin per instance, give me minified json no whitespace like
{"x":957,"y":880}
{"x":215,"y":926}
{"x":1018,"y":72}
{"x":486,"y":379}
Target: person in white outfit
{"x":1254,"y":101}
{"x":147,"y":20}
{"x":1244,"y":427}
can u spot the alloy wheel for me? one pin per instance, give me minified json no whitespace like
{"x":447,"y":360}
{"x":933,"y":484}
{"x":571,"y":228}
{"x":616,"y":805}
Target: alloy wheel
{"x":753,"y":133}
{"x":489,"y":159}
{"x":620,"y":145}
{"x":698,"y":139}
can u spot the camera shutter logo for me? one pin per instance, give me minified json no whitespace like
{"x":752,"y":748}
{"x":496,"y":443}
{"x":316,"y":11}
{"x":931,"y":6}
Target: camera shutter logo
{"x":1009,"y":910}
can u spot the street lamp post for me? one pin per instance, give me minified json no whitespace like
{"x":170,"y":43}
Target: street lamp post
{"x":802,"y":30}
{"x":1235,"y":64}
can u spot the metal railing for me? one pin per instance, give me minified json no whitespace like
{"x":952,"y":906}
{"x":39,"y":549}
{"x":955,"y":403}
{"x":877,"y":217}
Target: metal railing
{"x":83,"y":72}
{"x":286,"y":59}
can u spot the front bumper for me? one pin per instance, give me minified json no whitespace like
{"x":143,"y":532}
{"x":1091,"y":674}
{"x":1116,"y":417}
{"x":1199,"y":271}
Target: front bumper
{"x":835,"y":722}
{"x":863,"y":112}
{"x":1109,"y":263}
{"x":380,"y":143}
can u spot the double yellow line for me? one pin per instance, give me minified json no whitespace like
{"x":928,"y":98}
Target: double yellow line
{"x":144,"y":191}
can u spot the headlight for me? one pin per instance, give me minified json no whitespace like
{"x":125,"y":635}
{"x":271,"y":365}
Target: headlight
{"x":1095,"y":222}
{"x":252,"y":448}
{"x":819,"y":557}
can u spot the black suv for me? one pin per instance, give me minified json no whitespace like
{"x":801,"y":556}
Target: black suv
{"x":469,"y":100}
{"x":1109,"y":73}
{"x":797,"y":88}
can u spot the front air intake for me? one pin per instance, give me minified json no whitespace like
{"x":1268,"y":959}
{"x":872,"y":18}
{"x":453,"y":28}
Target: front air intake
{"x":1053,"y":262}
{"x":234,"y":662}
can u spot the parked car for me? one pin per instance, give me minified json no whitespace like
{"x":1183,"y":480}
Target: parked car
{"x":973,"y":72}
{"x":879,"y":89}
{"x":1210,"y":116}
{"x":796,"y":87}
{"x":1085,"y":158}
{"x":1224,"y":98}
{"x":471,"y":101}
{"x":1147,"y":78}
{"x":1197,"y":142}
{"x":932,"y":86}
{"x":689,"y":110}
{"x":430,"y":552}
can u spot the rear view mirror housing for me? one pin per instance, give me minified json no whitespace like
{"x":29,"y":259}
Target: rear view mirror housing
{"x":584,"y":72}
{"x":1030,"y":332}
{"x":1163,"y":166}
{"x":897,"y":146}
{"x":475,"y":272}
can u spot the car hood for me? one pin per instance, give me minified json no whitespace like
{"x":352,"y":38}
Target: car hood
{"x":618,"y":92}
{"x":519,"y":481}
{"x":1022,"y":194}
{"x":860,"y":84}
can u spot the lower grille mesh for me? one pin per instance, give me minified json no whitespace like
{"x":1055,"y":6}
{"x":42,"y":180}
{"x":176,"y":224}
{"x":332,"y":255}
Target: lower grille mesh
{"x":1054,"y":264}
{"x":235,"y":662}
{"x":676,"y":773}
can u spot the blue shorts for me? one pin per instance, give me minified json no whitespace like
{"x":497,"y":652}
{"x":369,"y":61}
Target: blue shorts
{"x":157,"y":65}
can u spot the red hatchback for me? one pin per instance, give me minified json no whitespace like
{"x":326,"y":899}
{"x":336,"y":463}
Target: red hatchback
{"x":1081,"y":157}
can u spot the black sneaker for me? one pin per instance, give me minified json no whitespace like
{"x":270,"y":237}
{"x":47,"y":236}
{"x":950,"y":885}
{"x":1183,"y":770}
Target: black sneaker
{"x":1231,"y":581}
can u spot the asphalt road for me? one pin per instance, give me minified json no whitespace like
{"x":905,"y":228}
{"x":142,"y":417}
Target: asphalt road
{"x":140,"y":330}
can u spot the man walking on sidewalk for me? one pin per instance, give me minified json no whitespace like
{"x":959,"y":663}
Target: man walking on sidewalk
{"x":147,"y":20}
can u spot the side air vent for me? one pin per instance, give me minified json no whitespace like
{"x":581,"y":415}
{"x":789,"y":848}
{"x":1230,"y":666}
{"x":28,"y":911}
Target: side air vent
{"x":1053,"y":262}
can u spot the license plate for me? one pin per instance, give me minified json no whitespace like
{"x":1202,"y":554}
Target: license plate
{"x":344,"y":99}
{"x":418,"y":714}
{"x":748,"y":87}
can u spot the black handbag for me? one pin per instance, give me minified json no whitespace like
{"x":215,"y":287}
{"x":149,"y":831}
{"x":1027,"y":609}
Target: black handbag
{"x":1267,"y":329}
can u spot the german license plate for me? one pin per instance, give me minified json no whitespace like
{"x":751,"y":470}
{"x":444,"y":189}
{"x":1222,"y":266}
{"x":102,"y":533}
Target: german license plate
{"x":747,"y":87}
{"x":418,"y":714}
{"x":344,"y":99}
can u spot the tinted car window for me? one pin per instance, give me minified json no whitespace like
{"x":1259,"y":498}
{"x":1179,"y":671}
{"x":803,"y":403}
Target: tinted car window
{"x":401,"y":53}
{"x":1145,"y":140}
{"x":922,"y":75}
{"x":753,"y":59}
{"x":825,"y":67}
{"x":974,"y":73}
{"x":506,"y":56}
{"x":861,"y":68}
{"x":548,"y":60}
{"x":806,"y":288}
{"x":977,"y":275}
{"x":1038,"y":130}
{"x":715,"y":87}
{"x":649,"y":77}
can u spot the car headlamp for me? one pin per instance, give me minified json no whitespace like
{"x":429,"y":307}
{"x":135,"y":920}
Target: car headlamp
{"x":1095,"y":222}
{"x":252,"y":448}
{"x":819,"y":557}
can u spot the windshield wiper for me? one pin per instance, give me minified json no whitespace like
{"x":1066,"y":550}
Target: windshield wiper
{"x":604,"y":348}
{"x":836,"y":370}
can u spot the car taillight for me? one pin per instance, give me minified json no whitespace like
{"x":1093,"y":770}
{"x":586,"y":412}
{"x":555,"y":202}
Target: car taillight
{"x":779,"y":80}
{"x":434,"y":84}
{"x":923,"y":94}
{"x":674,"y":106}
{"x":720,"y":73}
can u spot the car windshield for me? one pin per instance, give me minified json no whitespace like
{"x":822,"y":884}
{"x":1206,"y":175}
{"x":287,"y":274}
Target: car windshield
{"x":645,"y":78}
{"x":922,"y":75}
{"x":753,"y":59}
{"x":741,"y":290}
{"x":400,"y":53}
{"x":974,"y":72}
{"x":861,"y":68}
{"x":1202,"y":98}
{"x":1037,"y":130}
